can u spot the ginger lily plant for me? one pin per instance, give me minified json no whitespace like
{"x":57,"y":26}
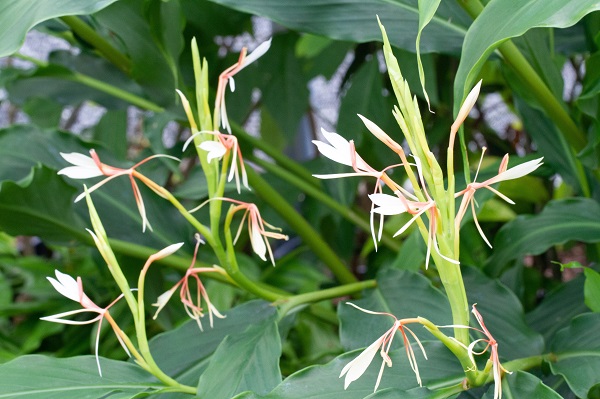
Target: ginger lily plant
{"x":427,"y":195}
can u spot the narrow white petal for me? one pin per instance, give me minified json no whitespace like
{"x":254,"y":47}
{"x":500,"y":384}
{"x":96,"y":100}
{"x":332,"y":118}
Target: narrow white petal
{"x":215,"y":149}
{"x":465,"y":109}
{"x":171,"y":249}
{"x":80,"y":172}
{"x":258,"y":244}
{"x":256,"y":54}
{"x":388,"y":204}
{"x":162,"y":300}
{"x":77,"y":159}
{"x":337,"y":154}
{"x":357,"y":367}
{"x":519,"y":170}
{"x":379,"y":133}
{"x":66,"y":285}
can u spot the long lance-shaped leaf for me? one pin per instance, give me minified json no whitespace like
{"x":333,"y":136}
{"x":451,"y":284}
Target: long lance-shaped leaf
{"x":354,"y":20}
{"x":18,"y":17}
{"x":575,"y":219}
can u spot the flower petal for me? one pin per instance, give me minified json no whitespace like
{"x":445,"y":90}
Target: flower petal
{"x":519,"y":171}
{"x":357,"y":367}
{"x":388,"y":204}
{"x":256,"y":54}
{"x":66,"y":285}
{"x":215,"y":149}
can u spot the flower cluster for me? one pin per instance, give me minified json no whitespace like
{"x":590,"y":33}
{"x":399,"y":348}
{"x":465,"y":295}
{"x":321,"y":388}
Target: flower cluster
{"x":191,"y":303}
{"x":423,"y":199}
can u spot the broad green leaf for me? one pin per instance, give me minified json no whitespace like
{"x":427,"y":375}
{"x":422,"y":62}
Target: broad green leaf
{"x":503,"y":315}
{"x":591,"y":289}
{"x":501,"y":20}
{"x":18,"y":17}
{"x":415,"y":393}
{"x":24,"y":146}
{"x":285,"y":93}
{"x":311,"y":45}
{"x":185,"y":352}
{"x":520,"y":384}
{"x":364,"y":96}
{"x":577,"y":351}
{"x":575,"y":219}
{"x":39,"y":206}
{"x":399,"y":292}
{"x":42,"y":377}
{"x":550,"y":142}
{"x":558,"y":308}
{"x":354,"y":20}
{"x":323,"y":382}
{"x":111,"y":131}
{"x":244,"y":361}
{"x":136,"y":35}
{"x":61,"y":81}
{"x":43,"y":111}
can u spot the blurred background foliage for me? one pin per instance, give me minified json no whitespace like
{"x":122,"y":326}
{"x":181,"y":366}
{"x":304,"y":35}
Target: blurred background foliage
{"x":109,"y":83}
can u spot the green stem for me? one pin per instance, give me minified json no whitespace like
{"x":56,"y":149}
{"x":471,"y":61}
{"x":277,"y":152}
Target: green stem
{"x":317,"y":193}
{"x":114,"y":91}
{"x":526,"y":363}
{"x":98,"y":85}
{"x":456,"y":348}
{"x":142,"y":338}
{"x":232,"y":268}
{"x":348,"y":289}
{"x":308,"y":234}
{"x":91,"y":37}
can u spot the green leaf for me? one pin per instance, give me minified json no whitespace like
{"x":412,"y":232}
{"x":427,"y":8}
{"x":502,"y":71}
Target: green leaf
{"x":18,"y":17}
{"x":591,"y":289}
{"x":561,"y":221}
{"x":39,"y":206}
{"x":244,"y":361}
{"x":24,"y":146}
{"x":399,"y":292}
{"x":520,"y":384}
{"x":415,"y":393}
{"x":42,"y":377}
{"x":558,"y":308}
{"x":111,"y":131}
{"x":136,"y":35}
{"x":577,"y":350}
{"x":501,"y":20}
{"x":550,"y":142}
{"x":285,"y":93}
{"x":354,"y":20}
{"x":364,"y":96}
{"x":184,"y":352}
{"x":503,"y":315}
{"x":62,"y":80}
{"x":323,"y":382}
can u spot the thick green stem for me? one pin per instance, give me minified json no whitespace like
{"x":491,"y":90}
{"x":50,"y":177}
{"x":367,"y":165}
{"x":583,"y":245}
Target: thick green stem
{"x":91,"y":37}
{"x":348,"y":289}
{"x":308,"y":234}
{"x":526,"y":363}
